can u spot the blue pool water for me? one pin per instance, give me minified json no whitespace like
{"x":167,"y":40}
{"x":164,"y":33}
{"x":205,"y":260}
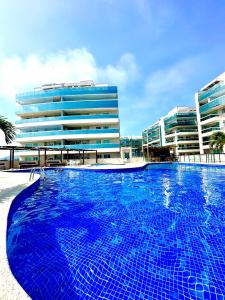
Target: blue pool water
{"x":157,"y":233}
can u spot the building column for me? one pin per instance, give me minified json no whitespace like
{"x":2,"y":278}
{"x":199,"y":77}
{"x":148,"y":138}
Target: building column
{"x":39,"y":158}
{"x":45,"y":158}
{"x":13,"y":151}
{"x":10,"y":159}
{"x":199,"y":124}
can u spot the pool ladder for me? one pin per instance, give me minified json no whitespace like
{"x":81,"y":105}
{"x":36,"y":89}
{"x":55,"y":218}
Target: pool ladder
{"x":32,"y":172}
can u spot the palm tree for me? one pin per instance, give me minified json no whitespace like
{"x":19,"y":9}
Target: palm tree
{"x":217,"y":140}
{"x":8,"y":128}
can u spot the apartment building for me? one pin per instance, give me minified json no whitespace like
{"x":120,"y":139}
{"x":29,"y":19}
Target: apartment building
{"x":178,"y":130}
{"x":210,"y":108}
{"x":79,"y":115}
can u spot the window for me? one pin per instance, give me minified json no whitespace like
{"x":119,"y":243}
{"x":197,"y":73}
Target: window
{"x":98,"y":127}
{"x":98,"y":142}
{"x":106,"y":141}
{"x":105,"y":127}
{"x":106,"y":155}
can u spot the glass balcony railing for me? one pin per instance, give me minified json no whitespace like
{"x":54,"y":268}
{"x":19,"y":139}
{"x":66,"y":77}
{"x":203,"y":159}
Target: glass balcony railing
{"x":187,"y":139}
{"x":169,"y":141}
{"x":212,"y":104}
{"x":67,"y":92}
{"x":88,"y":146}
{"x":209,"y":117}
{"x":189,"y":148}
{"x":154,"y":135}
{"x":188,"y":130}
{"x":180,"y":123}
{"x":66,"y":118}
{"x":73,"y":105}
{"x":66,"y":132}
{"x":154,"y":127}
{"x":180,"y":116}
{"x":210,"y":129}
{"x":155,"y":130}
{"x":220,"y":87}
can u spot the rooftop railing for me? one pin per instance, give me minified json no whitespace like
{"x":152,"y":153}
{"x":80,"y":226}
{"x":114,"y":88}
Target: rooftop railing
{"x":66,"y":92}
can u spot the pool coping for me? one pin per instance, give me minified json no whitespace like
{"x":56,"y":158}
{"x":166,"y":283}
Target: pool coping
{"x":10,"y":187}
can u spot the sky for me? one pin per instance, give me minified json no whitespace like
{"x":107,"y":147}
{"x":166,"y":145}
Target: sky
{"x":158,"y":52}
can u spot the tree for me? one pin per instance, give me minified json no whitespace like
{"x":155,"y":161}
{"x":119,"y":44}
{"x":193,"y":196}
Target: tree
{"x":8,"y":129}
{"x":217,"y":140}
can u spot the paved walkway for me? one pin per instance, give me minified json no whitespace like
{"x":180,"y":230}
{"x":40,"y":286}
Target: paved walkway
{"x":11,"y":184}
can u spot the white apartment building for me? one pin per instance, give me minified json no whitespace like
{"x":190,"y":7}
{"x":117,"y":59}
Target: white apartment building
{"x":79,"y":115}
{"x":178,"y":130}
{"x":210,"y":108}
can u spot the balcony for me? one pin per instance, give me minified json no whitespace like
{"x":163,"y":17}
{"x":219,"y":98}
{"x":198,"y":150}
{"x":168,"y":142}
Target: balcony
{"x":73,"y":105}
{"x":67,"y":118}
{"x":213,"y":104}
{"x":188,"y":130}
{"x":213,"y":90}
{"x":181,"y":123}
{"x":154,"y":135}
{"x":88,"y":146}
{"x":209,"y":117}
{"x":180,"y":116}
{"x":61,"y":92}
{"x":216,"y":128}
{"x":56,"y":133}
{"x":194,"y":147}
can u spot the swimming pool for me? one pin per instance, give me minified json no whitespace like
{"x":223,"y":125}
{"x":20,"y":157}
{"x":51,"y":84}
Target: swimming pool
{"x":157,"y":233}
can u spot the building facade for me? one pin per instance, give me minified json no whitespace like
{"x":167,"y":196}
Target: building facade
{"x":210,"y":107}
{"x":178,"y":130}
{"x":80,"y":115}
{"x":133,"y":142}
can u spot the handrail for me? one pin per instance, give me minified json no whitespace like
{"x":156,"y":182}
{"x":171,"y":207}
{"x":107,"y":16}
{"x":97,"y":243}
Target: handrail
{"x":32,"y":172}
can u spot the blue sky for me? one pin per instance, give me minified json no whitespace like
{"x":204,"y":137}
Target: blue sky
{"x":159,"y":53}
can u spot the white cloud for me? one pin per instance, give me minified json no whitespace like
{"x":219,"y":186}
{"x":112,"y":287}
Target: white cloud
{"x":167,"y":80}
{"x":169,"y":85}
{"x":18,"y":74}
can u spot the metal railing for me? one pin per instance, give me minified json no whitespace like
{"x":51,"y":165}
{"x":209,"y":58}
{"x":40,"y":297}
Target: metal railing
{"x":203,"y":158}
{"x":32,"y":172}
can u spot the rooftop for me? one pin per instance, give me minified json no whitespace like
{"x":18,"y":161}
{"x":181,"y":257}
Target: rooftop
{"x":83,"y":83}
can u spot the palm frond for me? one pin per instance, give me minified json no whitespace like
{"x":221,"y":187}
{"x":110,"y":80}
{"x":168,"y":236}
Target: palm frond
{"x":8,"y":128}
{"x":217,"y":140}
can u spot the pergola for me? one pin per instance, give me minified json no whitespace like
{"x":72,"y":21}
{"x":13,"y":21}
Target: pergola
{"x":68,"y":151}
